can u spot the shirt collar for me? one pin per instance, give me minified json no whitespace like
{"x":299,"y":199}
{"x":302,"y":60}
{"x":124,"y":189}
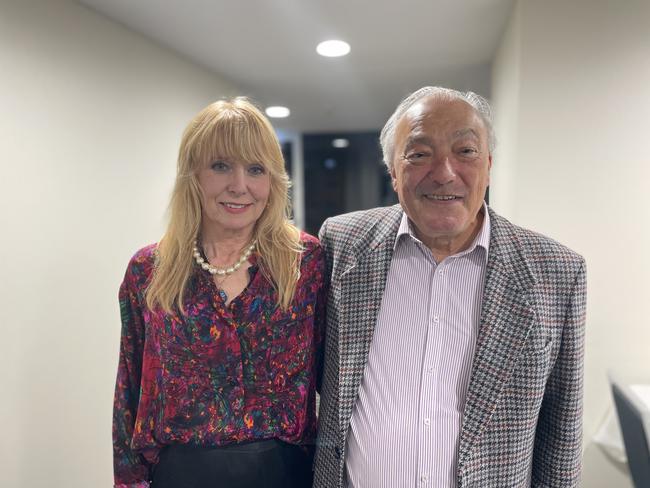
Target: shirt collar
{"x":482,"y":239}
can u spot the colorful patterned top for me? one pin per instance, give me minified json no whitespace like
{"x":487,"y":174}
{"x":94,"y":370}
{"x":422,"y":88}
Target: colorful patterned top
{"x":220,"y":374}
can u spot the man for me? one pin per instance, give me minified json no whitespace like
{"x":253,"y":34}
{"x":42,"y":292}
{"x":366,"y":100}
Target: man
{"x":455,"y":339}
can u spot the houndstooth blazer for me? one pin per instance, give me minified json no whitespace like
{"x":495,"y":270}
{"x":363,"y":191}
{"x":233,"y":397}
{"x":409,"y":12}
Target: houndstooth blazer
{"x":522,"y":424}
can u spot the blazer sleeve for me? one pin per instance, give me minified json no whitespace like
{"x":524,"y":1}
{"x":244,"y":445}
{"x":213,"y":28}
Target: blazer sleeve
{"x":320,"y":321}
{"x":558,"y":438}
{"x":321,"y":309}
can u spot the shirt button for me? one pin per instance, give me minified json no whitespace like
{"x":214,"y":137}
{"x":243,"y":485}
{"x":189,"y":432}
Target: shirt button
{"x":430,"y":370}
{"x":436,"y":319}
{"x":424,"y":478}
{"x":427,"y":421}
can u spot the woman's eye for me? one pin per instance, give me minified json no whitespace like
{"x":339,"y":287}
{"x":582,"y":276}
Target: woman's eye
{"x":220,"y":165}
{"x":257,"y":170}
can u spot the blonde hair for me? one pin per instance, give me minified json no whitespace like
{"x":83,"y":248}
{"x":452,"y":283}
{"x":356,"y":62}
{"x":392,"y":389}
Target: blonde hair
{"x":229,"y":129}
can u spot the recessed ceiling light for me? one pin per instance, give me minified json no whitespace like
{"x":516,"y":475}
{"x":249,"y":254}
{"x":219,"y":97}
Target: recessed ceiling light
{"x":340,"y":143}
{"x":277,"y":112}
{"x":333,"y":48}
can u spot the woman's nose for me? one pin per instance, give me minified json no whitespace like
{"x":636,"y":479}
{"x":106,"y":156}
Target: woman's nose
{"x":237,"y":183}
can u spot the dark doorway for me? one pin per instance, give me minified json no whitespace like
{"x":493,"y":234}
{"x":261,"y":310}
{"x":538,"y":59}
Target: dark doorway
{"x":343,"y":172}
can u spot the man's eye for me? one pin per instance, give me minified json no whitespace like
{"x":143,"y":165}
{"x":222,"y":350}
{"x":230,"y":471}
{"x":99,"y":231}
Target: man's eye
{"x":257,"y":170}
{"x":468,"y":151}
{"x":417,"y":157}
{"x":220,"y":165}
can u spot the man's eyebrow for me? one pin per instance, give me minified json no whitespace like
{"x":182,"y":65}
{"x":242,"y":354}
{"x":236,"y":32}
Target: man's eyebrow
{"x":411,"y":141}
{"x":464,"y":132}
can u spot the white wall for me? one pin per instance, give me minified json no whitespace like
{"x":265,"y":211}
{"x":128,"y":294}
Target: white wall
{"x":90,"y":120}
{"x":505,"y":96}
{"x":577,"y":160}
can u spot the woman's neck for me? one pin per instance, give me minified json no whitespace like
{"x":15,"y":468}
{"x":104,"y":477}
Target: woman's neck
{"x":224,"y":250}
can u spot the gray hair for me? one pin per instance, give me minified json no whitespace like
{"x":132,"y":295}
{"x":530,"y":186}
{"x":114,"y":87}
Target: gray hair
{"x":478,"y":103}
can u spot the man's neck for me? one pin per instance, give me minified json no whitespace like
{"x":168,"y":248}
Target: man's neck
{"x":443,"y":247}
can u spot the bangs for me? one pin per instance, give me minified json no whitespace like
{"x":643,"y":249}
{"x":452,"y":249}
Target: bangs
{"x":233,"y":135}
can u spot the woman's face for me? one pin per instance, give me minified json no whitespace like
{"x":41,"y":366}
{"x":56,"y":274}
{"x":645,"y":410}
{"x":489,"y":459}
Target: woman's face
{"x":235,"y":194}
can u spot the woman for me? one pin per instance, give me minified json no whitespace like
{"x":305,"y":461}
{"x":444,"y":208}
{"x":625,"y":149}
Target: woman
{"x":221,"y":322}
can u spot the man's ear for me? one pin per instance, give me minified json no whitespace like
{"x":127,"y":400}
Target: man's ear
{"x":393,"y":177}
{"x":489,"y":167}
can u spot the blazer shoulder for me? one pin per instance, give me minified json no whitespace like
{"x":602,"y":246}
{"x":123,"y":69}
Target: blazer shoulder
{"x":541,"y":252}
{"x":357,"y":226}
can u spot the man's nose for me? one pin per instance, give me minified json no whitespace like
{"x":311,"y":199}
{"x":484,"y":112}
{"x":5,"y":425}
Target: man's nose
{"x":442,"y":169}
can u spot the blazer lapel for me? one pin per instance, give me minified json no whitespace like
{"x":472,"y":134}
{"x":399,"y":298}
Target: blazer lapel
{"x":506,"y":319}
{"x":361,"y":289}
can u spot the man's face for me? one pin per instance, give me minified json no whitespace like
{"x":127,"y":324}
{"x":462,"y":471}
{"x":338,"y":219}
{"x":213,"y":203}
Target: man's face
{"x":441,"y":169}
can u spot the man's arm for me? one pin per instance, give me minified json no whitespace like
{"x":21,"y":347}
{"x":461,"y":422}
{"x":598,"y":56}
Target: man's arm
{"x":557,"y":457}
{"x":321,"y":310}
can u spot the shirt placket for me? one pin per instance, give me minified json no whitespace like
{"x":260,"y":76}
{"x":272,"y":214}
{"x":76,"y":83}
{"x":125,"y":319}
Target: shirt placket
{"x":430,"y":372}
{"x":229,"y":314}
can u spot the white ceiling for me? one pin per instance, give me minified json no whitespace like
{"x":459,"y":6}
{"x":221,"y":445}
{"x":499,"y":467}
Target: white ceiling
{"x":267,"y":47}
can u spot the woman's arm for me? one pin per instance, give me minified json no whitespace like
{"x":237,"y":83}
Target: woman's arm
{"x":130,"y":468}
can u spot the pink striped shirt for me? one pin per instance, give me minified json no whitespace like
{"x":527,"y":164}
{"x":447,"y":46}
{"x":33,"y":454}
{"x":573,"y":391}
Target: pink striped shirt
{"x":406,"y":421}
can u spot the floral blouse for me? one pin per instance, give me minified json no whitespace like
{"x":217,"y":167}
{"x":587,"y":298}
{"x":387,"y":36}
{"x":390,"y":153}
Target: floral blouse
{"x":221,"y":373}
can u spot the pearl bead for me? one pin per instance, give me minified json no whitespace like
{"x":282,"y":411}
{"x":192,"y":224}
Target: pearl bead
{"x":221,"y":272}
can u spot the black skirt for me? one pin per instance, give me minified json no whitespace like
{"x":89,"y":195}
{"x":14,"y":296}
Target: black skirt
{"x":261,"y":464}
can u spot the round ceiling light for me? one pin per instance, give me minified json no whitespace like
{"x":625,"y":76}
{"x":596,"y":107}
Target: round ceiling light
{"x":333,"y":48}
{"x":340,"y":143}
{"x":277,"y":112}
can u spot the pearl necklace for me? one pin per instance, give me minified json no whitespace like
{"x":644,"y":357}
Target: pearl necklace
{"x":221,"y":272}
